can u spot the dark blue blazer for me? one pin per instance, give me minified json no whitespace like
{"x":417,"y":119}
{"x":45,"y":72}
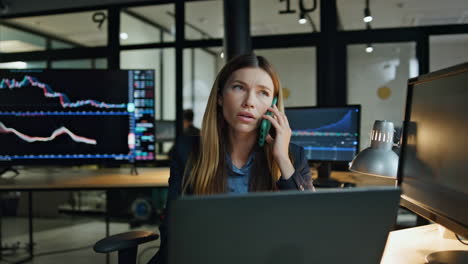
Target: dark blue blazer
{"x":301,"y":180}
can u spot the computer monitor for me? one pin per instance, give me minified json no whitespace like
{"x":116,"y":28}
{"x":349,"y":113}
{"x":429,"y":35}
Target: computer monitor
{"x":434,"y":153}
{"x":76,"y":116}
{"x":327,"y":226}
{"x":329,"y":135}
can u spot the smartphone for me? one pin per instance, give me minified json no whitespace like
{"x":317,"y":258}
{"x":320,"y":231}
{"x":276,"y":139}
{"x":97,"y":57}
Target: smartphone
{"x":266,"y":125}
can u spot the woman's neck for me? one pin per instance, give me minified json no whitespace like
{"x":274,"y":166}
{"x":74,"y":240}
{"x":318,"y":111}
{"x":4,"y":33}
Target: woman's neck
{"x":241,"y":145}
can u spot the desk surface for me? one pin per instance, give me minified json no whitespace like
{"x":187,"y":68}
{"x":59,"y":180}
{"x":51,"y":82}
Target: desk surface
{"x":412,"y":245}
{"x":79,"y":179}
{"x":359,"y":179}
{"x":68,"y":178}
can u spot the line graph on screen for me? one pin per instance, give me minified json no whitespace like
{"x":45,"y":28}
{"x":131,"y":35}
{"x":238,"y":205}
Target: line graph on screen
{"x":65,"y":102}
{"x":60,"y":131}
{"x":79,"y":115}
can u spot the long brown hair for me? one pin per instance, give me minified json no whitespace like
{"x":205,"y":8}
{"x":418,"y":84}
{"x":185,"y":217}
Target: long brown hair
{"x":208,"y":174}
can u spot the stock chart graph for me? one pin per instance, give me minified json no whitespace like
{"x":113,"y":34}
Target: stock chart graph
{"x":327,"y":134}
{"x":76,"y":114}
{"x":57,"y":132}
{"x":29,"y":81}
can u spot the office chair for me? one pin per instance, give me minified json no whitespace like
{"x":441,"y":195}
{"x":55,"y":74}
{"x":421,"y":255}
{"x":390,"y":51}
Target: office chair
{"x":126,"y":244}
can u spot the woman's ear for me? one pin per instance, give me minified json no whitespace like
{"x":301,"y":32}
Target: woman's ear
{"x":220,"y":100}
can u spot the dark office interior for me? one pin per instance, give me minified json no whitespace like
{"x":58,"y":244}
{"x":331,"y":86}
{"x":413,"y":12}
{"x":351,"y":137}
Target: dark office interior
{"x":355,"y":61}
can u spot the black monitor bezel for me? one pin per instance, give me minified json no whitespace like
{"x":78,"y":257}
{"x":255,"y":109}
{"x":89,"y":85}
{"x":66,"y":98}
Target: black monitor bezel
{"x":409,"y":201}
{"x":82,"y":161}
{"x":353,"y":106}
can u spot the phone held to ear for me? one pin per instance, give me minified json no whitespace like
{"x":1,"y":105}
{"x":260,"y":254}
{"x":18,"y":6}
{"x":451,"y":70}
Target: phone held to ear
{"x":266,"y":125}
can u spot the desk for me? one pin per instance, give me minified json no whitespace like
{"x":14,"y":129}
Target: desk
{"x":412,"y":245}
{"x":58,"y":179}
{"x":361,"y":180}
{"x":51,"y":179}
{"x":45,"y":179}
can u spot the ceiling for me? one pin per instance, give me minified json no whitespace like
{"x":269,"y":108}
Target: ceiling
{"x":403,"y":13}
{"x":75,"y":27}
{"x":265,"y":18}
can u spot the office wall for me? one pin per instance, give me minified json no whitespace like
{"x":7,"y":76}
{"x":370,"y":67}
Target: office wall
{"x":205,"y":75}
{"x":168,"y":95}
{"x":387,"y":69}
{"x":298,"y":73}
{"x":447,"y":50}
{"x":187,"y":89}
{"x":197,"y":90}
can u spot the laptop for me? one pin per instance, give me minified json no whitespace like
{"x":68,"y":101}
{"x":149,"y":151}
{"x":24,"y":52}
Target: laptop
{"x":327,"y":226}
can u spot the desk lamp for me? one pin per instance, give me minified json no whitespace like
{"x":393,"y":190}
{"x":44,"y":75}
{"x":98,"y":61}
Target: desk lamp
{"x":378,"y":159}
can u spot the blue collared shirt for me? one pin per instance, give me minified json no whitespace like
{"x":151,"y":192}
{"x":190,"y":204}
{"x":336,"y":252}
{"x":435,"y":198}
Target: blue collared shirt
{"x":238,"y":179}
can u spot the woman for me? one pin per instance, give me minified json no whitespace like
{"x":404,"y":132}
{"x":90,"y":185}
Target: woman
{"x":227,"y":158}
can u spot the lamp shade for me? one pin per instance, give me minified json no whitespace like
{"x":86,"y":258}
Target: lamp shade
{"x":378,"y":159}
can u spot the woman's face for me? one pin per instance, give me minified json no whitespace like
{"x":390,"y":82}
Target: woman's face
{"x":245,"y":98}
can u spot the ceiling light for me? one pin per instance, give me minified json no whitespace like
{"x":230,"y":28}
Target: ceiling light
{"x":123,"y":35}
{"x":221,"y":55}
{"x":302,"y":19}
{"x":367,"y":16}
{"x":368,"y":19}
{"x":369,"y":48}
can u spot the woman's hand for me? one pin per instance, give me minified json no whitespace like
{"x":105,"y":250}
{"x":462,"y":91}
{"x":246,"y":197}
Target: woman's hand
{"x":281,"y":142}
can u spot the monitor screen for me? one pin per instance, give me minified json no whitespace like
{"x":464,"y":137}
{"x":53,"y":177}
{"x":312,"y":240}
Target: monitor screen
{"x":165,"y":130}
{"x":326,"y":133}
{"x":434,"y":153}
{"x":82,"y":116}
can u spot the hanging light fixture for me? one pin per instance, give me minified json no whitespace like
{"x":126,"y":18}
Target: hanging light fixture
{"x":367,"y":15}
{"x":123,"y":35}
{"x":302,"y":20}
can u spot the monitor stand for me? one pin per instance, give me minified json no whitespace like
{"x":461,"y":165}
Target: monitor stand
{"x":449,"y":256}
{"x":323,"y":180}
